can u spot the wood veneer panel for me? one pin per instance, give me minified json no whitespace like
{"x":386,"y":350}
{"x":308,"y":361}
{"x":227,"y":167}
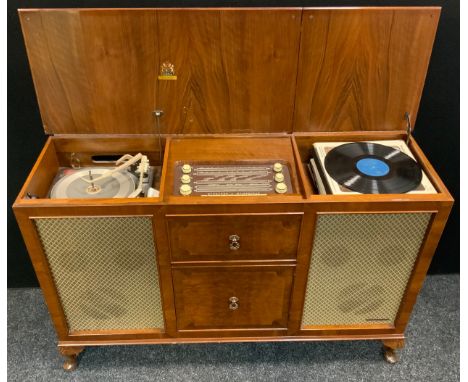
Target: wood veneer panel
{"x":261,"y":236}
{"x":362,"y":69}
{"x":86,"y":146}
{"x":94,"y":70}
{"x":421,"y":267}
{"x":202,"y":297}
{"x":238,"y":336}
{"x":236,"y":70}
{"x":41,"y":267}
{"x":41,"y":176}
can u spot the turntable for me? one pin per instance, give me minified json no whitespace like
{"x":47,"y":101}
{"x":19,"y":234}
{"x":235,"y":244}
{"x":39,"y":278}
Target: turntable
{"x":131,"y":178}
{"x":371,"y":167}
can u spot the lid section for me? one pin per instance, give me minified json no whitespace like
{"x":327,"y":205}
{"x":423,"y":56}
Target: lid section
{"x":106,"y":71}
{"x":94,"y":71}
{"x":362,"y":69}
{"x":209,"y":71}
{"x":236,"y":70}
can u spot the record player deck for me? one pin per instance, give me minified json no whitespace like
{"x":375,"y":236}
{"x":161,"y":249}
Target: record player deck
{"x":377,"y":167}
{"x":132,"y":177}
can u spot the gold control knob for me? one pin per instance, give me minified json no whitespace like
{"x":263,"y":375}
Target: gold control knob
{"x":185,"y":189}
{"x":279,"y":177}
{"x":281,"y":188}
{"x":185,"y":179}
{"x":277,"y":167}
{"x":186,"y":168}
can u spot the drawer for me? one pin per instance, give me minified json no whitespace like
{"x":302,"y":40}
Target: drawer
{"x":234,"y":237}
{"x":232,"y":297}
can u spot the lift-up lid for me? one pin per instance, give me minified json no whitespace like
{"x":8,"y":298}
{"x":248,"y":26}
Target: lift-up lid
{"x":105,"y":71}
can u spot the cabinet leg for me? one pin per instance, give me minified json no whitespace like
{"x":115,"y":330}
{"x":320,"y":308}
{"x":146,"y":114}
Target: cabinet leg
{"x":71,"y":356}
{"x":390,"y":348}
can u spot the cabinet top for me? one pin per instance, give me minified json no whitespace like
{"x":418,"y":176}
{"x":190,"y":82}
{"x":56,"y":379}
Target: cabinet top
{"x":228,"y":70}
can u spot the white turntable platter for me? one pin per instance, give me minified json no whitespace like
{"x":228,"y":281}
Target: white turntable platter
{"x":119,"y":185}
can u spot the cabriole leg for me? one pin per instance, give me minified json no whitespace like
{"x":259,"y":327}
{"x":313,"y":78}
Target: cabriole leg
{"x":71,"y":356}
{"x":390,"y":348}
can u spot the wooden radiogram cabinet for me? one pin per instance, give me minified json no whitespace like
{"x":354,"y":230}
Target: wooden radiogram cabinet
{"x":227,"y":86}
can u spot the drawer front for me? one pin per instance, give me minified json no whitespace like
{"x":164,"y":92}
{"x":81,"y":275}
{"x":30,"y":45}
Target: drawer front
{"x":234,"y":237}
{"x":232,"y":297}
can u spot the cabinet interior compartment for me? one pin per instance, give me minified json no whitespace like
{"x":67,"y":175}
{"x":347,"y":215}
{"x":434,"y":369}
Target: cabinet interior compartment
{"x":66,"y":152}
{"x":303,"y":143}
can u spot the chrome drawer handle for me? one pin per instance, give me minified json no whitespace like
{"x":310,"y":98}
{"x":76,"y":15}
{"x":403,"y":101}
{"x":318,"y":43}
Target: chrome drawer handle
{"x":233,"y":303}
{"x":234,"y":242}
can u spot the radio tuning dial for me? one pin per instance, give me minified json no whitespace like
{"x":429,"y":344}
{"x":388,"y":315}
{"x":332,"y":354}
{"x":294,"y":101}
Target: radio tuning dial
{"x":279,"y":177}
{"x":281,"y":188}
{"x":185,"y":179}
{"x":186,"y":168}
{"x":185,"y":189}
{"x":277,"y":167}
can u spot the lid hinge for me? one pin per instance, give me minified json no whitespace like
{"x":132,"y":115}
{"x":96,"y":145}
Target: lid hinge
{"x":158,"y":114}
{"x":409,"y":128}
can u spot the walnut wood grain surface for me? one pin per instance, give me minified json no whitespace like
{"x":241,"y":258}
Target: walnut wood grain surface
{"x":236,"y":70}
{"x":94,"y":70}
{"x":261,"y":236}
{"x":202,"y":297}
{"x":362,"y":69}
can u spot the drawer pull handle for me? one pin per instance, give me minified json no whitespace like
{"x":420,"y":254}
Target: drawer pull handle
{"x":234,"y":242}
{"x":233,"y":303}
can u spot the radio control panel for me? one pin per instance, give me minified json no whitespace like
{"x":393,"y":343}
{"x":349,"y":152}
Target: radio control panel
{"x":232,"y":179}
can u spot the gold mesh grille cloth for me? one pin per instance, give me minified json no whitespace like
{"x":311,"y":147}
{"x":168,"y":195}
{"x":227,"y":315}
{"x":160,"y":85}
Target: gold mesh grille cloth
{"x":105,"y":271}
{"x":360,"y":267}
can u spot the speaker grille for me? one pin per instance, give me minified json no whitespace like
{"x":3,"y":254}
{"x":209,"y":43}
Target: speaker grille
{"x":360,"y":267}
{"x":104,"y":270}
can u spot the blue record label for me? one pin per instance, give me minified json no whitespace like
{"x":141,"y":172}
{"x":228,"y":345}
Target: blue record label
{"x":373,"y":167}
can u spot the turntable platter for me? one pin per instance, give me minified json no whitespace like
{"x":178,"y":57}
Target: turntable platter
{"x":119,"y":185}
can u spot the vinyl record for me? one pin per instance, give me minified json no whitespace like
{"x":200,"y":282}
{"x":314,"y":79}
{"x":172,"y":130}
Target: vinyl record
{"x":371,"y":168}
{"x":119,"y":185}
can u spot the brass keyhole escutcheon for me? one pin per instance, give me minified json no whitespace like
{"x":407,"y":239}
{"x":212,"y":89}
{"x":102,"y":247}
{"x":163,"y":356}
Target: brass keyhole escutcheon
{"x":233,"y":303}
{"x":234,"y":242}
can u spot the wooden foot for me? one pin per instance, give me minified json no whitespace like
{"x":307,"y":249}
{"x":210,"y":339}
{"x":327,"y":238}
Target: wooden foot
{"x":390,"y":349}
{"x":71,"y":356}
{"x":390,"y":355}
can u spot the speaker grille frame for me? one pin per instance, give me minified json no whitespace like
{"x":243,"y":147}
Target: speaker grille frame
{"x":365,"y":284}
{"x":104,"y":270}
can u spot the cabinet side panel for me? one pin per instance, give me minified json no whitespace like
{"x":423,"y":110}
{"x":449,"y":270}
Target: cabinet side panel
{"x":360,"y":267}
{"x":105,"y":271}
